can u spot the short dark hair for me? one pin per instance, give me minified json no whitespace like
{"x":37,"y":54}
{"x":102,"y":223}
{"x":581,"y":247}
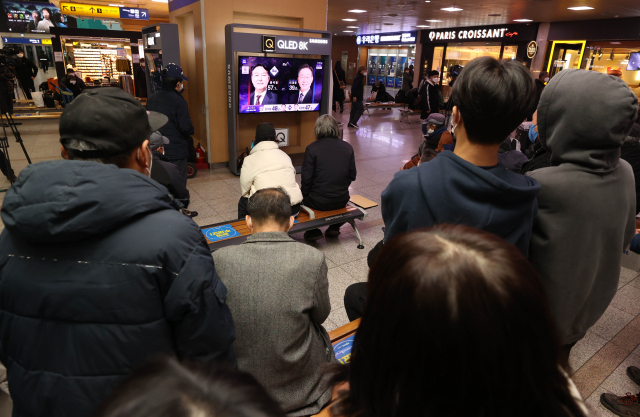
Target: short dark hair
{"x":270,"y":204}
{"x":170,"y":82}
{"x":259,"y":65}
{"x":432,"y":73}
{"x":70,"y":70}
{"x":543,"y":75}
{"x":493,"y":97}
{"x":165,"y":388}
{"x":303,"y":66}
{"x":454,"y":304}
{"x":49,"y":11}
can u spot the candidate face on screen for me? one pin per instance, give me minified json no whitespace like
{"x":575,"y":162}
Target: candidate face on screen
{"x":260,"y":79}
{"x":305,"y":78}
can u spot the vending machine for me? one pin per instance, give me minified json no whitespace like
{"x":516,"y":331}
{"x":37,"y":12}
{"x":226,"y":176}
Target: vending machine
{"x":391,"y":74}
{"x":381,"y":69}
{"x":161,"y":48}
{"x":400,"y":70}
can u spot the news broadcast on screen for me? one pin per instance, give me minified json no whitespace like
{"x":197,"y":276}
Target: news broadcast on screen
{"x":272,"y":85}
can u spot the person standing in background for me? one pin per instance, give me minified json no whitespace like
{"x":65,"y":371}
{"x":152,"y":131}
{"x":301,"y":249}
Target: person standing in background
{"x":430,"y":100}
{"x":26,"y":71}
{"x":169,"y":101}
{"x":357,"y":95}
{"x":411,"y":71}
{"x":338,"y":90}
{"x":141,"y":79}
{"x":541,"y":82}
{"x":407,"y":80}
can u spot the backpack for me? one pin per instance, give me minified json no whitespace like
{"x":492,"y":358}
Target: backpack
{"x":400,"y":97}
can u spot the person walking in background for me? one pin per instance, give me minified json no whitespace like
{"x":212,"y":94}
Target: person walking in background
{"x":429,"y":98}
{"x":457,"y":324}
{"x":541,"y":82}
{"x":327,"y":172}
{"x":339,"y":85}
{"x":127,"y":275}
{"x":141,"y":79}
{"x":279,"y":297}
{"x":26,"y":72}
{"x":586,"y":182}
{"x":267,"y":166}
{"x":411,"y":71}
{"x":407,"y":81}
{"x":169,"y":101}
{"x":357,"y":97}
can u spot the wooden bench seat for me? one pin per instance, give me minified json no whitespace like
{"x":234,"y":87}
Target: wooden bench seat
{"x":34,"y":116}
{"x":308,"y":219}
{"x":405,"y":113}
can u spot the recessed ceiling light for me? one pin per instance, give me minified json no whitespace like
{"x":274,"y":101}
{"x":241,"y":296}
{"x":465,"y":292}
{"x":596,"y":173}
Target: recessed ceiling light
{"x":357,"y":11}
{"x":392,"y":14}
{"x":451,"y":9}
{"x":615,"y":43}
{"x":348,"y":31}
{"x":427,"y":1}
{"x":435,"y":21}
{"x":523,"y":20}
{"x":580,"y":8}
{"x":423,"y":26}
{"x":350,"y":20}
{"x":353,"y":27}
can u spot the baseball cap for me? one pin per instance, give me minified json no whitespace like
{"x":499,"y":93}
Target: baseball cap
{"x":109,"y":118}
{"x":265,"y":131}
{"x":174,"y":71}
{"x":436,"y":118}
{"x":157,"y":140}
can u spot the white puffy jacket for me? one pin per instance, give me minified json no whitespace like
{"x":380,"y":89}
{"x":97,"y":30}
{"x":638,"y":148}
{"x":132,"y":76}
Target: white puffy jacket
{"x":267,"y":166}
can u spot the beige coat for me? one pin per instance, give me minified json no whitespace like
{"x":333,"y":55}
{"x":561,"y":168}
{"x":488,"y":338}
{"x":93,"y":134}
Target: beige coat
{"x":267,"y":166}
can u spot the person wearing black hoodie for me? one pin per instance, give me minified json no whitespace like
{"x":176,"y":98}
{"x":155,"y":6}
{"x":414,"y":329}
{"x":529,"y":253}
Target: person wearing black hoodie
{"x":357,"y":96}
{"x":99,"y":271}
{"x":468,"y":186}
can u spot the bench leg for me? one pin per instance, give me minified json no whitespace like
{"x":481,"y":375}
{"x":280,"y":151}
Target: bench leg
{"x":353,"y":224}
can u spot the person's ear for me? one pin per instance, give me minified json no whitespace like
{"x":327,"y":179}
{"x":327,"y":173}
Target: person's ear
{"x":247,"y":219}
{"x":292,"y":220}
{"x":456,"y":115}
{"x":144,"y":155}
{"x":63,"y":152}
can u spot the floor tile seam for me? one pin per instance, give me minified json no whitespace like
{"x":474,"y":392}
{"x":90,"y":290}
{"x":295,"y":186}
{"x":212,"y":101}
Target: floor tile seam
{"x":607,"y":375}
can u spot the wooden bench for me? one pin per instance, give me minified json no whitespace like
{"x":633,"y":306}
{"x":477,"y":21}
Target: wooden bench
{"x":405,"y":113}
{"x":33,"y":109}
{"x":308,"y":219}
{"x":33,"y":116}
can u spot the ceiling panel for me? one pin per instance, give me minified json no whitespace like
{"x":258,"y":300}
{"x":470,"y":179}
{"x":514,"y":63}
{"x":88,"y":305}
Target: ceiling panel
{"x":411,"y":13}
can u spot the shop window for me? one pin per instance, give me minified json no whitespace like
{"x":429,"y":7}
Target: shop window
{"x":438,"y":55}
{"x":510,"y":52}
{"x":463,"y":53}
{"x":565,"y":55}
{"x":605,"y":56}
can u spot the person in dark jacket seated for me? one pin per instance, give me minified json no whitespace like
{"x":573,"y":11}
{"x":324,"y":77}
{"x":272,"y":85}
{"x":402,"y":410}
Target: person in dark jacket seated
{"x":328,"y":169}
{"x":100,"y":271}
{"x":468,"y":186}
{"x":436,"y":129}
{"x":73,"y":83}
{"x":165,"y":173}
{"x":169,"y":101}
{"x":163,"y":387}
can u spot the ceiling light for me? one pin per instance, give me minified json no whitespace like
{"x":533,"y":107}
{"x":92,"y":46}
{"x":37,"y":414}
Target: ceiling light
{"x":615,"y":43}
{"x":353,"y":27}
{"x":161,"y":1}
{"x":348,"y":31}
{"x":388,"y":24}
{"x":427,"y":1}
{"x":523,"y":20}
{"x":435,"y":21}
{"x":350,"y":20}
{"x":580,"y":8}
{"x":357,"y":11}
{"x":451,"y":9}
{"x":423,"y":26}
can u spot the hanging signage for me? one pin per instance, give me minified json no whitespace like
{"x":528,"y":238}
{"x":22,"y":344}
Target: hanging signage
{"x":501,"y":33}
{"x":532,"y":49}
{"x":26,"y":41}
{"x":95,"y":10}
{"x":387,"y":38}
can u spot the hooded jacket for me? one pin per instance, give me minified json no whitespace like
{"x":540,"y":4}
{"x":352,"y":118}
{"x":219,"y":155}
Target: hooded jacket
{"x":98,"y":273}
{"x":450,"y":190}
{"x":587,"y":200}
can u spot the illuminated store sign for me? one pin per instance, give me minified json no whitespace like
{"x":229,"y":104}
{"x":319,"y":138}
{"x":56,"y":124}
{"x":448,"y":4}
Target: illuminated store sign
{"x":387,"y":38}
{"x":471,"y":34}
{"x":501,"y":33}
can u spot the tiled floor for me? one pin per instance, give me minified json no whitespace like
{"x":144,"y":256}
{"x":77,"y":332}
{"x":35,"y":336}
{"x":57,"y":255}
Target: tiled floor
{"x":382,"y":146}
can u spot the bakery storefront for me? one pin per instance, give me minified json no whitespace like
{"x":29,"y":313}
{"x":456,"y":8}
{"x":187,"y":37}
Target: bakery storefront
{"x":443,"y":48}
{"x":596,"y":45}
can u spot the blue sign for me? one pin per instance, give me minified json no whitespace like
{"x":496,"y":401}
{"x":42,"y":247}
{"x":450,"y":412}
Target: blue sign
{"x":372,"y":79}
{"x":179,"y":4}
{"x":399,"y":82}
{"x":343,"y":348}
{"x":380,"y":78}
{"x":25,"y":41}
{"x":390,"y":82}
{"x":397,"y":38}
{"x":220,"y":233}
{"x":134,"y":13}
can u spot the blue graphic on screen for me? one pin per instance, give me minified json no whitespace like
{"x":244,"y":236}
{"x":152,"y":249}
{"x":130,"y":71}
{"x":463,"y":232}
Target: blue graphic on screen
{"x":220,"y":233}
{"x":380,"y":78}
{"x":398,"y":82}
{"x":372,"y":79}
{"x":634,"y":62}
{"x":271,"y":85}
{"x":343,"y":348}
{"x":390,"y":82}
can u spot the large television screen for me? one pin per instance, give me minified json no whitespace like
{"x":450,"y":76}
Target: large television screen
{"x":27,"y":17}
{"x":268,"y":85}
{"x":634,"y":62}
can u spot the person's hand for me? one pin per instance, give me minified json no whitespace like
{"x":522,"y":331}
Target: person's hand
{"x":353,"y":99}
{"x":33,"y":78}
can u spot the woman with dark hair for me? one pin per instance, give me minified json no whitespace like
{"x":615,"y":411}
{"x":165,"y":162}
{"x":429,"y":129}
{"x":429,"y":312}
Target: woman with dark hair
{"x":456,"y":324}
{"x":165,"y":388}
{"x":338,"y":91}
{"x":46,"y":23}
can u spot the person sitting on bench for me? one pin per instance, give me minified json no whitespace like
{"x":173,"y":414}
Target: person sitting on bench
{"x":267,"y":166}
{"x":278,"y":292}
{"x":458,"y":324}
{"x":436,"y":129}
{"x":327,"y":172}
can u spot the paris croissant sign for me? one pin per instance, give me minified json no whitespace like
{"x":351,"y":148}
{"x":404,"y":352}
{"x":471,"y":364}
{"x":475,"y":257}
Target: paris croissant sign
{"x":99,"y":11}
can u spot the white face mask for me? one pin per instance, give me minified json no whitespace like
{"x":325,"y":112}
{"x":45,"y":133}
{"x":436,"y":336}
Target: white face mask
{"x":72,"y":81}
{"x":546,"y":80}
{"x":20,"y":55}
{"x":430,"y":131}
{"x":181,"y":87}
{"x":436,"y":80}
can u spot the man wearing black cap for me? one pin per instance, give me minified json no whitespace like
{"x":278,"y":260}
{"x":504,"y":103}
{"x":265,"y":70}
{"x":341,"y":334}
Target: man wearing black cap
{"x":169,"y":101}
{"x":99,"y":270}
{"x":165,"y":173}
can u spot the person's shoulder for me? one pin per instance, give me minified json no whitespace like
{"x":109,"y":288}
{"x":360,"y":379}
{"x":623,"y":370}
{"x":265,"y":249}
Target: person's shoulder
{"x":308,"y":255}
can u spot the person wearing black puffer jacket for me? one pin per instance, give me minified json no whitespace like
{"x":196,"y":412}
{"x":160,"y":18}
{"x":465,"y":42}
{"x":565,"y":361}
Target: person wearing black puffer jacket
{"x":357,"y":95}
{"x":99,"y":271}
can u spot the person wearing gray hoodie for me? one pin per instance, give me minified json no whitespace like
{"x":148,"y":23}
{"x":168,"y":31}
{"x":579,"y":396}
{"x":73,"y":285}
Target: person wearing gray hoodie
{"x":586,"y":204}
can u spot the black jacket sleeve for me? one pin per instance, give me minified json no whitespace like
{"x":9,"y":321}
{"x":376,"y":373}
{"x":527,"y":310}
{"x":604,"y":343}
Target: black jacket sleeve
{"x":352,"y":167}
{"x":357,"y":89}
{"x":184,"y":120}
{"x":195,"y":306}
{"x":180,"y":190}
{"x":308,"y":169}
{"x":31,"y":67}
